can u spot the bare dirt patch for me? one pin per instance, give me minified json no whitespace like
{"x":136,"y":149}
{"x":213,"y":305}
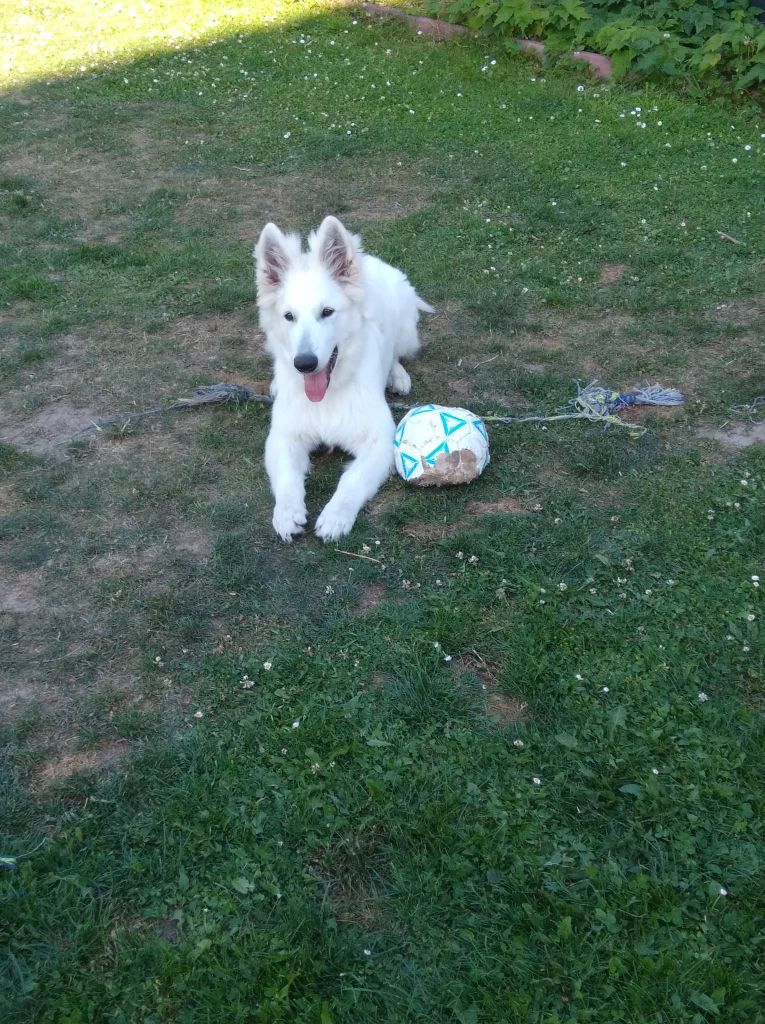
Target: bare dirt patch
{"x":546,"y":342}
{"x":193,"y":541}
{"x":208,"y":341}
{"x":19,"y":595}
{"x":8,"y":500}
{"x":45,"y":432}
{"x":90,"y":186}
{"x":184,"y":539}
{"x":430,"y":531}
{"x":485,"y":668}
{"x":474,"y":509}
{"x":640,"y":413}
{"x":387,"y":499}
{"x":66,"y":765}
{"x":378,"y":681}
{"x":351,"y":874}
{"x":357,"y":193}
{"x":506,"y":506}
{"x":371,"y":597}
{"x":505,"y":708}
{"x":612,"y":272}
{"x":742,"y":312}
{"x":459,"y":387}
{"x":736,"y":435}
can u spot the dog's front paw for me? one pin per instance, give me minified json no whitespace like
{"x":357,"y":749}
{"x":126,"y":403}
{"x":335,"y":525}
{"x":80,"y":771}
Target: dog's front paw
{"x":334,"y":522}
{"x":289,"y":521}
{"x":399,"y":380}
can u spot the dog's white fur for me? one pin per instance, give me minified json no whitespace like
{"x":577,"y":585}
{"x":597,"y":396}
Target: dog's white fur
{"x":373,"y":324}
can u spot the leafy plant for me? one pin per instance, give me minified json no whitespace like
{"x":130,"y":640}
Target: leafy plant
{"x":710,"y":40}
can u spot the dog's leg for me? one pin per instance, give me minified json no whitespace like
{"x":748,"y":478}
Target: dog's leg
{"x":360,"y":482}
{"x":287,"y":464}
{"x":399,"y":380}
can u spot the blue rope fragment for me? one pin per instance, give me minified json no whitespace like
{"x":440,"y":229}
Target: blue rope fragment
{"x":598,"y":405}
{"x":595,"y":397}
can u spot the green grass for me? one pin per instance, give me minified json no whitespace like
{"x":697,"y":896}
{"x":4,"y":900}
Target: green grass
{"x":356,"y":833}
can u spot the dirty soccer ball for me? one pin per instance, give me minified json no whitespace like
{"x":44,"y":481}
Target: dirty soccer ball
{"x":438,"y":445}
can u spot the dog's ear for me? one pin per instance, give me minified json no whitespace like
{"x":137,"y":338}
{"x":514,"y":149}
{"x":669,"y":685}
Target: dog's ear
{"x":338,"y":250}
{"x":272,"y":256}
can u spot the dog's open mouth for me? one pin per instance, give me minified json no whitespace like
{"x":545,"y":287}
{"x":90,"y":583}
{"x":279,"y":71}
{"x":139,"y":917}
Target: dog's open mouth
{"x":316,"y":384}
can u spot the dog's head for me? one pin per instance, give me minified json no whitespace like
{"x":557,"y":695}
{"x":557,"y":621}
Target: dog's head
{"x":309,"y":302}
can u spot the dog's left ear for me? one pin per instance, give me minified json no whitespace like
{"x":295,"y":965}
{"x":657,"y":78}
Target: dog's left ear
{"x":338,"y":251}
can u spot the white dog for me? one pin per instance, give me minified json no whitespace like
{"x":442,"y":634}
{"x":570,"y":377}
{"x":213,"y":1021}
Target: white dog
{"x":336,"y":322}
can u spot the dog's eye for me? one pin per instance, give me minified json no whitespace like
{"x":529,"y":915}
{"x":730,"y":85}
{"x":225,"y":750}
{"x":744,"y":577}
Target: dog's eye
{"x":289,"y":316}
{"x":326,"y":312}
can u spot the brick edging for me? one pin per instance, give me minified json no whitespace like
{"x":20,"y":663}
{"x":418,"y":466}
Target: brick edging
{"x":437,"y":29}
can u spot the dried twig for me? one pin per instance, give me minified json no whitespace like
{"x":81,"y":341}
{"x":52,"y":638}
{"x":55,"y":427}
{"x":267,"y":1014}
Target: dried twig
{"x":352,"y":554}
{"x":484,"y":361}
{"x":729,"y":238}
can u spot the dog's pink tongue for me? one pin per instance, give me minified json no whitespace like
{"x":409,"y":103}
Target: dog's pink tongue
{"x":316,"y":385}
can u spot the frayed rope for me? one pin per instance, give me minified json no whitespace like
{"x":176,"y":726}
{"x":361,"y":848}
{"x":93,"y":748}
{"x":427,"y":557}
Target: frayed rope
{"x":593,"y":402}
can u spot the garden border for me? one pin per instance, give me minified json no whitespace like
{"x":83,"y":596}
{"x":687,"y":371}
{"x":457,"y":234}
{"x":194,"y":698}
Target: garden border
{"x":440,"y":30}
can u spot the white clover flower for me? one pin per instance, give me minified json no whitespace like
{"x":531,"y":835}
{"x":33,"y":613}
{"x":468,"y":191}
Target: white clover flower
{"x":605,"y":689}
{"x":296,"y":724}
{"x":703,"y":697}
{"x":562,"y":586}
{"x":447,"y":657}
{"x":268,"y":665}
{"x":750,"y":617}
{"x":199,"y":714}
{"x":723,"y":891}
{"x":654,"y":771}
{"x":536,"y":780}
{"x":517,"y":743}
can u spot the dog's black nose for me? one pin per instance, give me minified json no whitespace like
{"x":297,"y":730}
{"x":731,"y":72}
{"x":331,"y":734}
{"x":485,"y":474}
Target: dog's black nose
{"x":305,"y":362}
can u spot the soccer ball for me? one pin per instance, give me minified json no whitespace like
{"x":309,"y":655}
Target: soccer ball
{"x":438,"y":444}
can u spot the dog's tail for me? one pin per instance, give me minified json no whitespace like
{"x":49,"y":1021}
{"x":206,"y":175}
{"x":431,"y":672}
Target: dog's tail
{"x":423,"y":306}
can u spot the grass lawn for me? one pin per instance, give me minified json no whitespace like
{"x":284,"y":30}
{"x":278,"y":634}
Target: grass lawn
{"x":507,"y":768}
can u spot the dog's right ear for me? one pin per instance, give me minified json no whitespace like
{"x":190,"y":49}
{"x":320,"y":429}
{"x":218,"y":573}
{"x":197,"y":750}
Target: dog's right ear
{"x":272,"y":256}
